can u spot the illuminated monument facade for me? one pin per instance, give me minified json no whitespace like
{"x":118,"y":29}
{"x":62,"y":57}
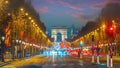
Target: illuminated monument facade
{"x":59,"y":33}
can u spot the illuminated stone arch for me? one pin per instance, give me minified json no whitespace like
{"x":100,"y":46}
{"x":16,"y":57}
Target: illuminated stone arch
{"x":59,"y":30}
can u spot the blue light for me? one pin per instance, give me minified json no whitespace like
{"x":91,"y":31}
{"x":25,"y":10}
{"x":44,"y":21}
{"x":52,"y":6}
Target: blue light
{"x":81,"y":43}
{"x":47,"y":53}
{"x":46,"y":32}
{"x":59,"y":52}
{"x":64,"y":53}
{"x":53,"y":52}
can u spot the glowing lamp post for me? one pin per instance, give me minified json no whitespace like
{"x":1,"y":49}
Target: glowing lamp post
{"x":3,"y":38}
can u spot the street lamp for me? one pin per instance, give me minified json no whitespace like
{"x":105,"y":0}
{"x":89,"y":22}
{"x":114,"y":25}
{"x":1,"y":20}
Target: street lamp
{"x":21,"y":9}
{"x":29,"y":18}
{"x":17,"y":41}
{"x":3,"y":38}
{"x":6,"y":2}
{"x":20,"y":41}
{"x":26,"y":14}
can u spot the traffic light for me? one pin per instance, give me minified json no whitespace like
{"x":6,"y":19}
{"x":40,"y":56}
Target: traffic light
{"x":110,"y":30}
{"x":81,"y":42}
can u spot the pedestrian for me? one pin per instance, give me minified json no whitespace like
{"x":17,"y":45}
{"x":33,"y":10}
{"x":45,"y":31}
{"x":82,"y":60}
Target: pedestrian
{"x":2,"y":50}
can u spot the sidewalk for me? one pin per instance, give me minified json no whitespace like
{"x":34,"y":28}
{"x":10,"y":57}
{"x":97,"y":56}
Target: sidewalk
{"x":103,"y":60}
{"x":7,"y":61}
{"x":116,"y":59}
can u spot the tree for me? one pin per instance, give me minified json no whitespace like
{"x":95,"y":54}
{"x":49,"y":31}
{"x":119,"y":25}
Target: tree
{"x":111,"y":11}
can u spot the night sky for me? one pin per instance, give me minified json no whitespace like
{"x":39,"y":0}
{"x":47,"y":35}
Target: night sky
{"x":69,"y":12}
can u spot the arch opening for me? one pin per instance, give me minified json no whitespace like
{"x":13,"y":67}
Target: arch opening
{"x":59,"y":37}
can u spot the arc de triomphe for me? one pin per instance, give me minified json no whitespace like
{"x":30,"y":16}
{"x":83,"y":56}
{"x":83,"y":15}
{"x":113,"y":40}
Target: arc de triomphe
{"x":59,"y":33}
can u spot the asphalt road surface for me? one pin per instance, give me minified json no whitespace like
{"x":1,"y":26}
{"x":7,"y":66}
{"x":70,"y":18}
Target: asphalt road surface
{"x":64,"y":62}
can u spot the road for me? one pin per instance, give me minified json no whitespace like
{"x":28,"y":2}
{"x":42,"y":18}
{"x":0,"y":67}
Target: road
{"x":54,"y":62}
{"x":69,"y":62}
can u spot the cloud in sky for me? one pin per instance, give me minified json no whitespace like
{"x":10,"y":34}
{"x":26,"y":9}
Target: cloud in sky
{"x":102,"y":4}
{"x":84,"y":18}
{"x":67,"y":4}
{"x":50,"y":1}
{"x":96,"y":6}
{"x":75,"y":11}
{"x":42,"y":9}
